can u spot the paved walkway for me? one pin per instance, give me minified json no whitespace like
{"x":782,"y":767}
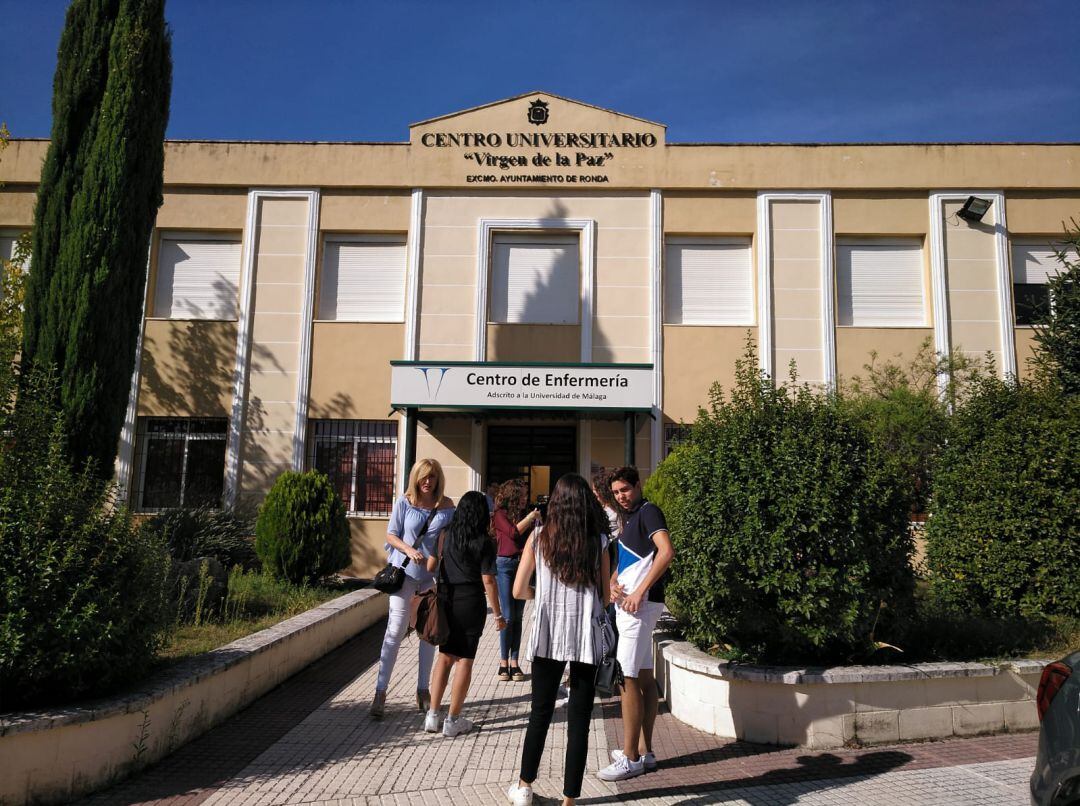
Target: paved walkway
{"x":311,"y":742}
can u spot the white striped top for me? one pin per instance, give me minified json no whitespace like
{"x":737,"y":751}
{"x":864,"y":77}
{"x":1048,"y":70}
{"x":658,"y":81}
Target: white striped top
{"x":565,"y":619}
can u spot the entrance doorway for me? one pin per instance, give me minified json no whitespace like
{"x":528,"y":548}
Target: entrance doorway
{"x":539,"y":454}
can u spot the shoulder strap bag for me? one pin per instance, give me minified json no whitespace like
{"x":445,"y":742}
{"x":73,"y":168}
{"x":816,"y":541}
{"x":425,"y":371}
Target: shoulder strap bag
{"x":428,"y":609}
{"x":392,"y":577}
{"x":609,"y":674}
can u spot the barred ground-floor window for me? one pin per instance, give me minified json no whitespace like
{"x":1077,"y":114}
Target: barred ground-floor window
{"x":180,"y":461}
{"x":360,"y":459}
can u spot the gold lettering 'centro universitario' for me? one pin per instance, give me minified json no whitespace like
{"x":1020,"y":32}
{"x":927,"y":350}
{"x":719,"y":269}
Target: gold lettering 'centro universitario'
{"x":538,"y":140}
{"x":583,"y":161}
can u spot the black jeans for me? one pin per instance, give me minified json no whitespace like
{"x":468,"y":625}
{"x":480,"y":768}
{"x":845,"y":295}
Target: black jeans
{"x":546,"y":676}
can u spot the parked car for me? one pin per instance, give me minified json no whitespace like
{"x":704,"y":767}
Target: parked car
{"x":1056,"y":780}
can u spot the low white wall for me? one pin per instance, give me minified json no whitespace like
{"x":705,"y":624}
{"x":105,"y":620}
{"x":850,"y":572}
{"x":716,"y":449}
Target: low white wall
{"x":822,"y":708}
{"x":54,"y":756}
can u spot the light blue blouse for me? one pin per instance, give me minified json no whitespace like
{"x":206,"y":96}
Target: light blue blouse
{"x":405,"y":521}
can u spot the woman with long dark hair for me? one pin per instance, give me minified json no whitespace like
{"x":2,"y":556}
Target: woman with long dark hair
{"x":510,"y":525}
{"x":572,"y":569}
{"x":466,"y":587}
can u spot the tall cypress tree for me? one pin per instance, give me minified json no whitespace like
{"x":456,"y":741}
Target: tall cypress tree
{"x":99,"y":194}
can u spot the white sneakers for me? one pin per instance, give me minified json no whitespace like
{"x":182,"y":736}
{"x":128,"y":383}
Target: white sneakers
{"x":455,"y":727}
{"x":621,"y":768}
{"x":519,"y":795}
{"x":451,"y":727}
{"x":648,"y":759}
{"x":433,"y":721}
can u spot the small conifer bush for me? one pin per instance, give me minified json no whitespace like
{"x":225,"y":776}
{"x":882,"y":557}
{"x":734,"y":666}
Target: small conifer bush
{"x":302,"y":533}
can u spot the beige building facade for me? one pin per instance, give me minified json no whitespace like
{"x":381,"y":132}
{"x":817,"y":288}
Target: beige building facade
{"x":537,"y":286}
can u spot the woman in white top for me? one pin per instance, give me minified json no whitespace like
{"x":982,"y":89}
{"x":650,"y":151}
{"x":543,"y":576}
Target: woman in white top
{"x":415,"y":523}
{"x":572,"y":569}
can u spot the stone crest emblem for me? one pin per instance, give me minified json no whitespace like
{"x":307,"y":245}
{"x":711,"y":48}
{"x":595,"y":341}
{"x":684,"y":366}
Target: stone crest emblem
{"x":538,"y":112}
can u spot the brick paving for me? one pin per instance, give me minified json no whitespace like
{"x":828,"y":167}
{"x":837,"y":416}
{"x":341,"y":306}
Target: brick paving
{"x":311,"y":742}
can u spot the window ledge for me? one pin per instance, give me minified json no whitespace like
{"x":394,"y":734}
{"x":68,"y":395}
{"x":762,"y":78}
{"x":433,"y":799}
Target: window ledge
{"x":186,"y":319}
{"x":359,"y":321}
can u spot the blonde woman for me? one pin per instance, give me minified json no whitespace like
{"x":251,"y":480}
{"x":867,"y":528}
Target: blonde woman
{"x":415,"y":523}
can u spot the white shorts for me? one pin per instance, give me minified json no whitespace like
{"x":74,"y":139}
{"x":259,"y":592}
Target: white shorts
{"x":635,"y":648}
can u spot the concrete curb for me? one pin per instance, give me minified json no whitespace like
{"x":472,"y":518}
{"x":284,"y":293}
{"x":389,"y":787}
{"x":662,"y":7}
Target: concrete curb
{"x":829,"y":707}
{"x":54,"y":756}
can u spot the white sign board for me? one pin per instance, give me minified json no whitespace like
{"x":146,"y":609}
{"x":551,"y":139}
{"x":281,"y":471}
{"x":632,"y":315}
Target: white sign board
{"x":468,"y":385}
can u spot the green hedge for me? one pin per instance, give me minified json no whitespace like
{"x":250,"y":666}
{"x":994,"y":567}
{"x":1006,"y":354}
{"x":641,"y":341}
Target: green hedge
{"x":302,"y":533}
{"x":1003,"y":538}
{"x":789,"y":526}
{"x":83,"y":606}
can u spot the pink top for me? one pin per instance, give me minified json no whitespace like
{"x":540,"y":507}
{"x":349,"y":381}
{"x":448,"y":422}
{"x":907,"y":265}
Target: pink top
{"x":508,"y":543}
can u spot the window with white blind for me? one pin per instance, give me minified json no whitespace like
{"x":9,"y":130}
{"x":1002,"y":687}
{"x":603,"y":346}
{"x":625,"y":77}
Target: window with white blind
{"x":8,"y":241}
{"x":708,"y":282}
{"x":1033,"y":264}
{"x":535,"y":279}
{"x":363,"y":280}
{"x":879,"y":283}
{"x":198,"y":277}
{"x":7,"y":245}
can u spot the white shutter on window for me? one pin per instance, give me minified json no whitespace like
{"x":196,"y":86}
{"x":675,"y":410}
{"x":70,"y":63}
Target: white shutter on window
{"x":7,"y":246}
{"x":1033,"y":261}
{"x":363,"y":281}
{"x":708,"y":283}
{"x":880,"y":284}
{"x":197,"y":279}
{"x":535,"y":280}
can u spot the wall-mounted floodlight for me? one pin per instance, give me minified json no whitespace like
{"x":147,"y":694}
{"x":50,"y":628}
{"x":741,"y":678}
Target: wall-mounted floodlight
{"x":974,"y":208}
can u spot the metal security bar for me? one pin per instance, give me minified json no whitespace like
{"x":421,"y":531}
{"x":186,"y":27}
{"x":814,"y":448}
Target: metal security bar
{"x":360,"y":459}
{"x":674,"y":433}
{"x":181,"y":462}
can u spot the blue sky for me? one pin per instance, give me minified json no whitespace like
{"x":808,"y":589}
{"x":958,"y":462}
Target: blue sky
{"x":813,"y":71}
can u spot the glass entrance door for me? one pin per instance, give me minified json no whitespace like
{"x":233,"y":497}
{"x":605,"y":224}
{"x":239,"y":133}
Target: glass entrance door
{"x":539,"y":454}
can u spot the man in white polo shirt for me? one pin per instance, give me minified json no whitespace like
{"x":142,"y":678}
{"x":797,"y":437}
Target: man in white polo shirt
{"x":638,"y":590}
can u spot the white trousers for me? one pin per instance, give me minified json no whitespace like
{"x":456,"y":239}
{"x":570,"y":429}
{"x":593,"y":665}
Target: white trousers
{"x":396,"y":627}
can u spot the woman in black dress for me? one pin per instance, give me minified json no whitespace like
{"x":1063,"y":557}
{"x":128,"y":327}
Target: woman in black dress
{"x":466,"y":587}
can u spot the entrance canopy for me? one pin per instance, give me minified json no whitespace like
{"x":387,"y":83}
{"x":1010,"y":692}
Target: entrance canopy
{"x":480,"y":385}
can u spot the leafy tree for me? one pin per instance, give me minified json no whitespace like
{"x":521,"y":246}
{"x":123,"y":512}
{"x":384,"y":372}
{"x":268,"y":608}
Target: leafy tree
{"x":1058,"y":336}
{"x":12,"y":293}
{"x":905,"y":413}
{"x":82,"y":604}
{"x":97,"y":199}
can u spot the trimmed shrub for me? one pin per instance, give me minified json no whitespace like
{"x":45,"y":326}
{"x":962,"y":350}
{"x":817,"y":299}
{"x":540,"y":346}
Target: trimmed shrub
{"x":658,"y":486}
{"x":1003,"y":539}
{"x":82,"y":602}
{"x":788,"y":524}
{"x":302,"y":533}
{"x":204,"y":532}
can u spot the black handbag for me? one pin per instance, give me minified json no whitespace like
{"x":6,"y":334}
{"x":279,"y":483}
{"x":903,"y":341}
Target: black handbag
{"x":609,"y":674}
{"x":392,"y":577}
